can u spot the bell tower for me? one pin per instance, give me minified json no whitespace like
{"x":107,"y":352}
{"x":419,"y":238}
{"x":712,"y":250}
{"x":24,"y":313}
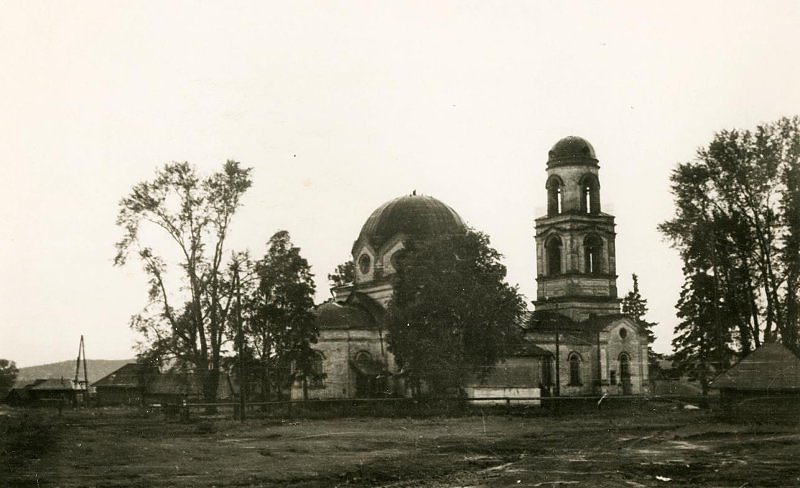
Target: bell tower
{"x":575,"y":253}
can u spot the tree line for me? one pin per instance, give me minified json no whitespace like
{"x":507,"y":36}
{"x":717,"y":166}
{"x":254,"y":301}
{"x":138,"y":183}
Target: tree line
{"x":208,"y":305}
{"x":212,"y":308}
{"x":737,"y":228}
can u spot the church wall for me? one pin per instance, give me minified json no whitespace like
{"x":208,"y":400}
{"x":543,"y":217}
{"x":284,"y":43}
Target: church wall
{"x":575,"y":285}
{"x":636,"y":348}
{"x":600,"y":371}
{"x":581,"y":310}
{"x":338,"y":347}
{"x":589,"y":368}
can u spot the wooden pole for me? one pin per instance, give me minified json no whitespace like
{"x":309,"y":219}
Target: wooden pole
{"x":85,"y":373}
{"x":78,"y":361}
{"x":558,"y":361}
{"x":242,"y":372}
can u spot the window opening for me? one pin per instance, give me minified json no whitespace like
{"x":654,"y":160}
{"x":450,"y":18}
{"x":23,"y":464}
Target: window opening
{"x":554,"y":256}
{"x":574,"y":370}
{"x":592,"y":248}
{"x":555,"y":197}
{"x":315,"y":381}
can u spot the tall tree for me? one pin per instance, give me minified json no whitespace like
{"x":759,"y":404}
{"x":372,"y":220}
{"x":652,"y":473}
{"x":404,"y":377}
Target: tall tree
{"x":281,"y":325}
{"x":790,"y":214}
{"x":702,"y":343}
{"x":635,"y":307}
{"x":736,"y":223}
{"x":187,"y":313}
{"x":452,"y":312}
{"x":8,"y":375}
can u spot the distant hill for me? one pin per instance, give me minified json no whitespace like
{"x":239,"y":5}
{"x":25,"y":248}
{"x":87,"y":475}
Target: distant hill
{"x":66,"y":369}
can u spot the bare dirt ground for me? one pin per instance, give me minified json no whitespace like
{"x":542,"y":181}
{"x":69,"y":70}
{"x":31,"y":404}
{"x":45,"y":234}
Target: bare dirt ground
{"x":634,"y":447}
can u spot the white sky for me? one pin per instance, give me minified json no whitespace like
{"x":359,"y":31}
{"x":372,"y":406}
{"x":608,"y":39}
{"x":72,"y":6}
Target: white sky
{"x":340,"y":106}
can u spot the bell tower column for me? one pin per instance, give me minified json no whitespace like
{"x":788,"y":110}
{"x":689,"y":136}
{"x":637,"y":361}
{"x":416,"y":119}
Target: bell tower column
{"x":576,"y":264}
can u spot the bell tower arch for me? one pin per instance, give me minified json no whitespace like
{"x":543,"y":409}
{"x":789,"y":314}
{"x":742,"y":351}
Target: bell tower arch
{"x":575,"y":251}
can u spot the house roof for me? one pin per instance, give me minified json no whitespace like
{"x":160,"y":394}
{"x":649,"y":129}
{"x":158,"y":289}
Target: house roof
{"x":53,"y":384}
{"x":526,"y":348}
{"x":131,"y":375}
{"x":770,"y":367}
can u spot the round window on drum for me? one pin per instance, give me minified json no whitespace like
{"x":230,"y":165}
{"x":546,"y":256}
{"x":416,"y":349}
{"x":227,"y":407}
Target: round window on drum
{"x":364,"y":263}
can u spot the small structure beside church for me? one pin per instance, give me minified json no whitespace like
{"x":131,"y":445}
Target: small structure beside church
{"x":577,"y":341}
{"x":766,"y":378}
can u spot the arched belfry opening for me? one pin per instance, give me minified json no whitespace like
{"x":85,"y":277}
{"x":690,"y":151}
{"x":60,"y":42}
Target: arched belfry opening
{"x":593,"y":255}
{"x":553,"y":250}
{"x":590,"y":194}
{"x":555,"y":196}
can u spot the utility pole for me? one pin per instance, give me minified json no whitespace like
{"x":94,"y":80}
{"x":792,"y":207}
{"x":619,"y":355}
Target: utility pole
{"x":82,"y":351}
{"x":85,"y":372}
{"x":242,"y":372}
{"x":557,"y":391}
{"x":558,"y":361}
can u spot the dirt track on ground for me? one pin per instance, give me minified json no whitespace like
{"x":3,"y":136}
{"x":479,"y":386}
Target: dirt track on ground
{"x":638,"y":447}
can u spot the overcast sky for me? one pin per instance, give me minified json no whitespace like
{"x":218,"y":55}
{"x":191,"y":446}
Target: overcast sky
{"x":340,"y":106}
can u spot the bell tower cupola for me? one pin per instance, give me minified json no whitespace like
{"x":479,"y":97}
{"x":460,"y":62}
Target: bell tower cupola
{"x":575,"y":254}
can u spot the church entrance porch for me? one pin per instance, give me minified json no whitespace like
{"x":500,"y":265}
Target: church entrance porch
{"x":371,"y":376}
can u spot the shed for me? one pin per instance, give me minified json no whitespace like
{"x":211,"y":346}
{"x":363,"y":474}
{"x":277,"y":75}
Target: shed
{"x":126,"y":385}
{"x":766,"y":379}
{"x":518,"y":378}
{"x":46,"y":391}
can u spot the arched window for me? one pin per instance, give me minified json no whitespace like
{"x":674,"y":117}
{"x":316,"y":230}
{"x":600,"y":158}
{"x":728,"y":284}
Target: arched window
{"x":317,"y":373}
{"x":590,"y":194}
{"x":364,"y":263}
{"x":553,"y":251}
{"x":592,"y":255}
{"x":555,"y":196}
{"x":574,"y":369}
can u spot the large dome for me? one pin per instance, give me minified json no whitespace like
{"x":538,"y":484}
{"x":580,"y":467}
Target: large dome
{"x":572,"y":150}
{"x":413,"y":215}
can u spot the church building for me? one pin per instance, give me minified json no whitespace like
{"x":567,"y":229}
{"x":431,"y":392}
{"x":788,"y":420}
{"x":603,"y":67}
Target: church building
{"x":577,"y":341}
